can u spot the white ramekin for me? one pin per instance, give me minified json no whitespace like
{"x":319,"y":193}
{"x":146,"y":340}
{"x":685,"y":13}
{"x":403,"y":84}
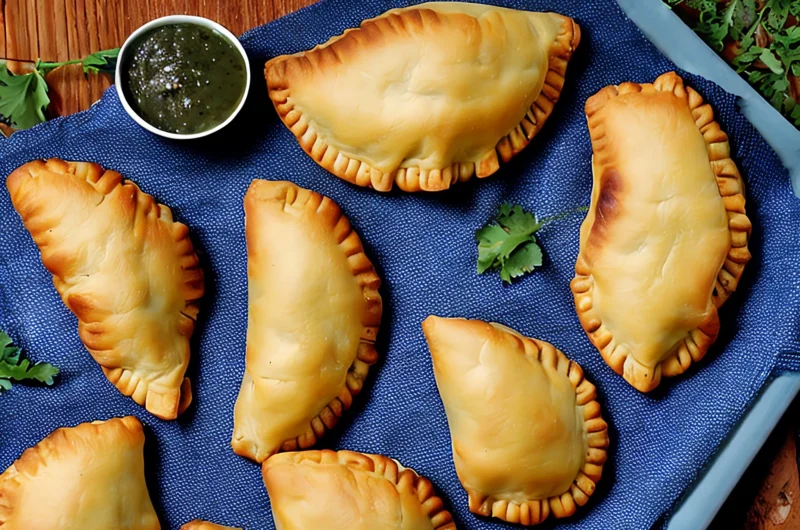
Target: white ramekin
{"x":178,"y":19}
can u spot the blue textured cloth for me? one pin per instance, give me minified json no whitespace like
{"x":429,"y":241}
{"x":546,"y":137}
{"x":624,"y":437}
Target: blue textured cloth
{"x":423,"y":247}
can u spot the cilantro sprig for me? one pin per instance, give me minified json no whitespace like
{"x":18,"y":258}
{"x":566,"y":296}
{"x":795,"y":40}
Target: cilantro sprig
{"x":761,"y":39}
{"x":508,"y":244}
{"x":23,"y":97}
{"x":13,"y":367}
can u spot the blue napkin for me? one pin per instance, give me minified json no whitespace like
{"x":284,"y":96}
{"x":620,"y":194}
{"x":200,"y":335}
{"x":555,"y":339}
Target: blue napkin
{"x":423,"y":248}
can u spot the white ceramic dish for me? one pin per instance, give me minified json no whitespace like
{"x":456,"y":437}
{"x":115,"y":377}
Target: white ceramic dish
{"x":179,"y":19}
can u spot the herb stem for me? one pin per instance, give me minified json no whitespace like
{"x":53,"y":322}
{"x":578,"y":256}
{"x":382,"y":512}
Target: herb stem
{"x":562,"y":215}
{"x":757,"y":22}
{"x":41,"y":65}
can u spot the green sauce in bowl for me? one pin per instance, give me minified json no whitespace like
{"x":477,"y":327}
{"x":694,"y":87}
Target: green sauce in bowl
{"x":183,"y":78}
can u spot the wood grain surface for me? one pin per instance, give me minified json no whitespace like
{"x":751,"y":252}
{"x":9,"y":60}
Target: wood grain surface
{"x":59,"y":30}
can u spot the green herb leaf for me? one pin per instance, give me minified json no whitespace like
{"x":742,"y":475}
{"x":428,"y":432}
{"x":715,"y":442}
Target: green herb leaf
{"x":490,"y":240}
{"x":101,"y":62}
{"x":772,"y":62}
{"x":778,"y":13}
{"x":41,"y":372}
{"x":507,"y":241}
{"x":13,"y":368}
{"x":524,"y":260}
{"x":508,"y":244}
{"x":743,"y":23}
{"x":23,"y":98}
{"x":727,"y":15}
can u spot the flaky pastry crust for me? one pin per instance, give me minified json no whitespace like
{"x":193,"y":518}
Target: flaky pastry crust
{"x":124,"y":267}
{"x":314,"y":313}
{"x":527,"y":433}
{"x":346,"y":490}
{"x":89,"y":476}
{"x":426,"y":96}
{"x":666,"y":234}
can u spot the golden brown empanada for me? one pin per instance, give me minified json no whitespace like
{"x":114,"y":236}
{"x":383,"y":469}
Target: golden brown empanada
{"x":314,"y":312}
{"x":528,"y":438}
{"x":425,"y":96}
{"x":205,"y":525}
{"x":80,"y":478}
{"x":665,"y":240}
{"x":123,"y":267}
{"x":350,"y":491}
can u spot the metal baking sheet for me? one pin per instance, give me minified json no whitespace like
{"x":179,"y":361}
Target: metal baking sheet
{"x":677,"y":41}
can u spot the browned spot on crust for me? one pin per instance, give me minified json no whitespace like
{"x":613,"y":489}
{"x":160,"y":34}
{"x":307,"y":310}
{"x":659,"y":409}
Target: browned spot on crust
{"x":608,"y":205}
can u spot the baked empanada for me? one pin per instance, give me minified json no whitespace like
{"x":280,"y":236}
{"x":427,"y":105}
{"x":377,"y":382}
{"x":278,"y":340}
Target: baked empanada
{"x":314,"y":311}
{"x":665,"y":240}
{"x":123,"y":267}
{"x":350,"y":491}
{"x":528,"y":438}
{"x":80,"y":478}
{"x":205,"y":525}
{"x":425,"y":96}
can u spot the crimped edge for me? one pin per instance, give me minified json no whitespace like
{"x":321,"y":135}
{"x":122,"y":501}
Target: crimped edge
{"x":412,"y":179}
{"x":54,"y":445}
{"x":363,"y":270}
{"x":535,"y":511}
{"x":164,"y":403}
{"x":731,"y":187}
{"x":403,"y":478}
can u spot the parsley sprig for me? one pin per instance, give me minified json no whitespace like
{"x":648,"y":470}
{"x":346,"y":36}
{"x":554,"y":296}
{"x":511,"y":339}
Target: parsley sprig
{"x":507,"y":244}
{"x":13,"y":367}
{"x":761,"y":38}
{"x":23,"y":97}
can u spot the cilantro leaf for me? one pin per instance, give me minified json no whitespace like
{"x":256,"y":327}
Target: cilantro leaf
{"x":518,"y":220}
{"x":490,"y":238}
{"x":101,"y":62}
{"x":508,"y":244}
{"x":524,"y":260}
{"x":41,"y":372}
{"x":505,"y":243}
{"x":12,"y":368}
{"x":23,"y":98}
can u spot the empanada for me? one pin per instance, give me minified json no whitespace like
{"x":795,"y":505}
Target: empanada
{"x":314,"y":311}
{"x":665,"y":240}
{"x":350,"y":491}
{"x":80,"y":478}
{"x":205,"y":525}
{"x":528,"y":438}
{"x":425,"y":96}
{"x":123,"y":267}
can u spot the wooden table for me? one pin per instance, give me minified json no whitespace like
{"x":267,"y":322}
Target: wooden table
{"x":768,"y":498}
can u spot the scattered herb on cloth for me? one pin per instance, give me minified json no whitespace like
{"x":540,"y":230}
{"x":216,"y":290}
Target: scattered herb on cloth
{"x":508,"y":244}
{"x":760,"y":38}
{"x":23,"y":97}
{"x":14,"y":368}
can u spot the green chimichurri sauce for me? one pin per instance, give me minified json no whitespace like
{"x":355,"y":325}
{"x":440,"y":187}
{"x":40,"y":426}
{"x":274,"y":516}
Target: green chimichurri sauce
{"x":184,"y":78}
